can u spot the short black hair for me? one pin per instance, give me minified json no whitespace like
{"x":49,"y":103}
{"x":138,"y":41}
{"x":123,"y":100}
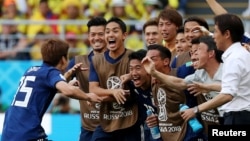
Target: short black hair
{"x":199,"y":20}
{"x":164,"y":52}
{"x":232,"y":23}
{"x":119,"y":22}
{"x":180,"y":30}
{"x":96,"y":21}
{"x":138,"y":55}
{"x":211,"y":45}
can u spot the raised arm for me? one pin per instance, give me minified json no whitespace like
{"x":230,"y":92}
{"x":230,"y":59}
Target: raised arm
{"x":170,"y":81}
{"x":76,"y":93}
{"x":216,"y":7}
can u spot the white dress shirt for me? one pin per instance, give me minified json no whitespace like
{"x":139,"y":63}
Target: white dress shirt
{"x":236,"y":78}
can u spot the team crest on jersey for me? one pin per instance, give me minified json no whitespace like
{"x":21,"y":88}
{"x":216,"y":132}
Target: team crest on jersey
{"x":97,"y":105}
{"x":161,"y":98}
{"x":114,"y":82}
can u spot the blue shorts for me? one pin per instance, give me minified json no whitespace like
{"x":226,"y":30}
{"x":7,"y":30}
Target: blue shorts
{"x":85,"y":135}
{"x":132,"y":133}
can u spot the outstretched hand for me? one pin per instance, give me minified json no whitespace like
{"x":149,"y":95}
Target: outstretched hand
{"x":197,"y":88}
{"x":120,"y":95}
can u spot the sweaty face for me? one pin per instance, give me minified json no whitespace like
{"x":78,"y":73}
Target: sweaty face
{"x":167,"y":29}
{"x":114,"y":36}
{"x":96,"y":38}
{"x":181,"y":44}
{"x":152,"y":35}
{"x":139,"y":75}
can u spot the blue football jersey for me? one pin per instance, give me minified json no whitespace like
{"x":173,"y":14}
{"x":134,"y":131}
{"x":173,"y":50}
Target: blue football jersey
{"x":37,"y":88}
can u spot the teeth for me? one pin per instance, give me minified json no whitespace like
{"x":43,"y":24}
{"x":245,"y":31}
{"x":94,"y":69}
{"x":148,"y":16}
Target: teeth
{"x":97,"y":43}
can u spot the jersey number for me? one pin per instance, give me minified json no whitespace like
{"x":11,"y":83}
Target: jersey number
{"x":24,"y":90}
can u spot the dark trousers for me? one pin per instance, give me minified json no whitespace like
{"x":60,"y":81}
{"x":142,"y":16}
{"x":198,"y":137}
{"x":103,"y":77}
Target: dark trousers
{"x":237,"y":118}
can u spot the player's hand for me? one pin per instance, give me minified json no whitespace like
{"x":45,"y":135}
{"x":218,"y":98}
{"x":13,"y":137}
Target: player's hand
{"x":152,"y":121}
{"x":201,"y":29}
{"x":196,"y":88}
{"x":187,"y":114}
{"x":125,"y":78}
{"x":92,"y":97}
{"x":119,"y":95}
{"x":149,"y":65}
{"x":74,"y":83}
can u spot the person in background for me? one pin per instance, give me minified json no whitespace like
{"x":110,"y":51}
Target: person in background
{"x":169,"y":21}
{"x":37,"y":88}
{"x":13,"y":44}
{"x":182,"y":45}
{"x":43,"y":13}
{"x":151,"y":32}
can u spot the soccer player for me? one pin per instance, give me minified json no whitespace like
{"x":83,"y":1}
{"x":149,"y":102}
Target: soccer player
{"x":89,"y":114}
{"x":140,"y":84}
{"x":37,"y":88}
{"x":118,"y":117}
{"x":167,"y":100}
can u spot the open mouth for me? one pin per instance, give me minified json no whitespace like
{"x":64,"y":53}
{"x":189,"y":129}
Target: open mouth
{"x":136,"y":81}
{"x":152,"y":42}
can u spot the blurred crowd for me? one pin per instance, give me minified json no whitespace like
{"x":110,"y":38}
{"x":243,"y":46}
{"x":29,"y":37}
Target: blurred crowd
{"x":22,"y":41}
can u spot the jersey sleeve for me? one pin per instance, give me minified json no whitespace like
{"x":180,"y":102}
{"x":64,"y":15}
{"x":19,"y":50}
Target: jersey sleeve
{"x":71,"y":63}
{"x":54,"y":76}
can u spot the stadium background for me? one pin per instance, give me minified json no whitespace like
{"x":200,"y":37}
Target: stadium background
{"x":66,"y":127}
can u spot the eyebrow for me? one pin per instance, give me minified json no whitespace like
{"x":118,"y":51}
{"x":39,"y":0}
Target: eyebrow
{"x":113,"y":28}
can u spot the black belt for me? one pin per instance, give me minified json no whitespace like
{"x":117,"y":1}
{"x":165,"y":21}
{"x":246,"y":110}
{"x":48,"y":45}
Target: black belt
{"x":236,"y":113}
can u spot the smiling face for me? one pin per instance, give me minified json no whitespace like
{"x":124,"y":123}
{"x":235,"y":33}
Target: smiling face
{"x":138,"y":74}
{"x":152,"y":35}
{"x":203,"y":55}
{"x":114,"y":36}
{"x":181,"y":43}
{"x":167,"y":29}
{"x":189,"y":31}
{"x":96,"y":38}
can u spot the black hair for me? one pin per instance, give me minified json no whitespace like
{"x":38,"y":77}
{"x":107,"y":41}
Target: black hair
{"x":199,"y":20}
{"x":232,"y":23}
{"x":180,"y":30}
{"x":138,"y":55}
{"x":211,"y":45}
{"x":119,"y":22}
{"x":164,"y":52}
{"x":96,"y":21}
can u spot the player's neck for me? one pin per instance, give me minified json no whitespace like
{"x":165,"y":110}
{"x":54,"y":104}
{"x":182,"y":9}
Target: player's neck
{"x":115,"y":54}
